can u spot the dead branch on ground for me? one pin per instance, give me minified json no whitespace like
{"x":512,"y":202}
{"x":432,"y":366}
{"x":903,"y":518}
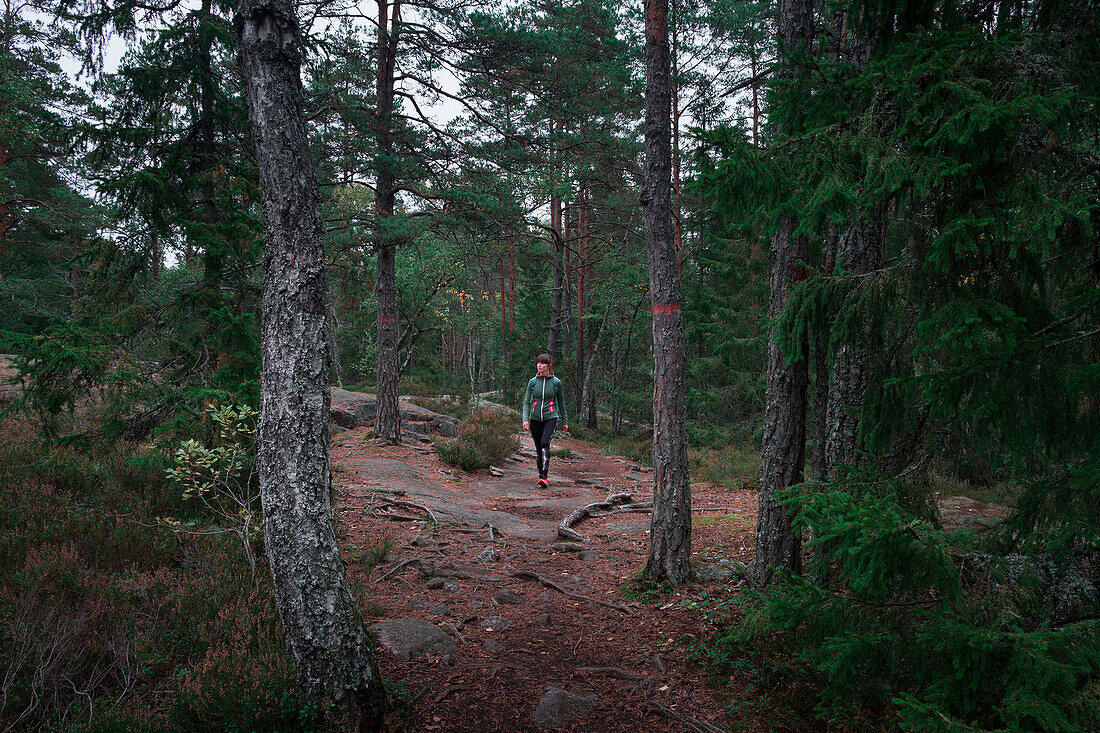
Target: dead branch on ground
{"x":399,"y":566}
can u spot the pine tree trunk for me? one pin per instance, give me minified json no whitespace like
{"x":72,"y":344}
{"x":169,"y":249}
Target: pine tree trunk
{"x":859,"y":252}
{"x":559,"y":278}
{"x":587,"y":391}
{"x":670,"y":534}
{"x":582,"y":237}
{"x":821,"y":382}
{"x":503,"y":310}
{"x":566,"y":334}
{"x":331,"y":649}
{"x":388,"y":422}
{"x":208,"y":153}
{"x":778,"y":545}
{"x":677,"y":201}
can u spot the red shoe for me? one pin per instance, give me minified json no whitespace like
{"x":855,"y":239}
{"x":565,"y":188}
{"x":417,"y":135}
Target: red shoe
{"x":543,"y":483}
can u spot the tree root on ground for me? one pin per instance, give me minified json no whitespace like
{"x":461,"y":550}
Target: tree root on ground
{"x":528,"y":575}
{"x":565,"y":528}
{"x":617,"y":673}
{"x":398,"y":567}
{"x":694,"y":723}
{"x":411,"y":505}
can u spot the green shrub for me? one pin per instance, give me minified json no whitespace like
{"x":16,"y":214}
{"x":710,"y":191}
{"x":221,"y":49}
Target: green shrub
{"x":223,"y":478}
{"x":894,"y":636}
{"x":485,"y":438}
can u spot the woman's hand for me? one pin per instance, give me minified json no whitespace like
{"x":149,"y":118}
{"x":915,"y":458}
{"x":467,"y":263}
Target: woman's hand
{"x":526,"y":425}
{"x":565,"y":428}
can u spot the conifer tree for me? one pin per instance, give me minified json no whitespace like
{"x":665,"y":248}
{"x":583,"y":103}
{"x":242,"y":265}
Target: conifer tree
{"x":670,"y":529}
{"x":778,"y":544}
{"x":45,"y":225}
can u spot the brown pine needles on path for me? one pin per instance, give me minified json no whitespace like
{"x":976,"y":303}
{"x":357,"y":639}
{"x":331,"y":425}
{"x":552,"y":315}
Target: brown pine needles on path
{"x":526,"y":611}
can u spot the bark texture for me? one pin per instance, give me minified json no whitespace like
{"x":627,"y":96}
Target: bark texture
{"x":670,"y":534}
{"x":821,"y":381}
{"x":388,"y":425}
{"x":778,"y":545}
{"x":860,"y":252}
{"x":332,"y":652}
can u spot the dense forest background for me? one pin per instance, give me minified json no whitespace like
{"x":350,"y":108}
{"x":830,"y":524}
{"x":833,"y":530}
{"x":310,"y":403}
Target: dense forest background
{"x":926,"y":171}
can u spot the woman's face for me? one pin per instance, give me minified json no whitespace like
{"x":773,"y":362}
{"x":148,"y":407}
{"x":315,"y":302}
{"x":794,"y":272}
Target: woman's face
{"x":543,"y":369}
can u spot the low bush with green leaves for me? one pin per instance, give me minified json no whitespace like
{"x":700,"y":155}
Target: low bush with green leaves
{"x":223,"y":477}
{"x":485,"y":438}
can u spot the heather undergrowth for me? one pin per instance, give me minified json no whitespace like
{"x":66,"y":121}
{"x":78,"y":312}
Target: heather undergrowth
{"x":110,"y":620}
{"x":486,"y":437}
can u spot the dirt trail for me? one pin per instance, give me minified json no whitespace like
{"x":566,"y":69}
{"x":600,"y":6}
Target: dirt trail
{"x":516,"y":638}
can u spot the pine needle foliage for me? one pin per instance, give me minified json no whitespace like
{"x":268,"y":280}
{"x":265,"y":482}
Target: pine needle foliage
{"x":975,"y":126}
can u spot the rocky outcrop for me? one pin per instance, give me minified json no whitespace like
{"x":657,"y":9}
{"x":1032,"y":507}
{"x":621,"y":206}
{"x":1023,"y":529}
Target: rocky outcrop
{"x":357,"y":409}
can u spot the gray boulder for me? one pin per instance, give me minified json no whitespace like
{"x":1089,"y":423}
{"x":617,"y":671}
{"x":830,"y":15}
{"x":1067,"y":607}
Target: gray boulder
{"x":412,"y":638}
{"x":489,"y":554}
{"x":1038,"y":587}
{"x":495,"y":623}
{"x":558,"y":707}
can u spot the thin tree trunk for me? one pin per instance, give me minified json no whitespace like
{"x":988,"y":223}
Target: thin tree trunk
{"x":755,"y":97}
{"x":336,"y":373}
{"x":503,"y":310}
{"x":512,"y":280}
{"x":332,"y":652}
{"x":586,"y":390}
{"x":559,"y":278}
{"x":471,"y":367}
{"x":582,"y":240}
{"x":208,"y":154}
{"x":566,"y":334}
{"x":677,"y":208}
{"x":388,"y":423}
{"x":670,"y":529}
{"x":778,"y":545}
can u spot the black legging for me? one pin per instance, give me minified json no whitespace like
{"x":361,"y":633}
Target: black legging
{"x":541,"y":432}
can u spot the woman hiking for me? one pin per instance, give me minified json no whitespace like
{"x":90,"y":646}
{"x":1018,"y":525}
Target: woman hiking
{"x":543,"y":406}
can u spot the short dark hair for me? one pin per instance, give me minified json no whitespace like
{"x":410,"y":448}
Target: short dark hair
{"x":544,"y":359}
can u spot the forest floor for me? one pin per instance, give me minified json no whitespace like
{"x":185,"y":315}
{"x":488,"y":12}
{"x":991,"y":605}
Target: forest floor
{"x":543,"y":631}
